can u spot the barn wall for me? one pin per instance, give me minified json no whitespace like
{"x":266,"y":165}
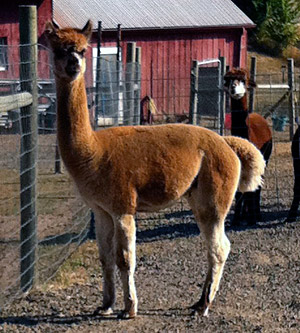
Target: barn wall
{"x":167,"y":57}
{"x":166,"y":54}
{"x":9,"y":27}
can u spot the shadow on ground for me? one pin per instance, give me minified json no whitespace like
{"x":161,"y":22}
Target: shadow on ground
{"x":270,"y":220}
{"x":58,"y":319}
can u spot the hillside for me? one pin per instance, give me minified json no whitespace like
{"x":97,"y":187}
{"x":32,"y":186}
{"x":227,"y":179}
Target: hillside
{"x":270,"y":64}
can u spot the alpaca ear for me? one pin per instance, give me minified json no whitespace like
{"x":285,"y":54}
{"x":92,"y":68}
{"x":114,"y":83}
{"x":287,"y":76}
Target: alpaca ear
{"x":87,"y":30}
{"x":251,"y":83}
{"x":227,"y":79}
{"x":51,"y":32}
{"x":51,"y":28}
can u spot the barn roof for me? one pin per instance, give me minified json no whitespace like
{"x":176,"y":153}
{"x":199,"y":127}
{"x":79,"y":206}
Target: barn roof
{"x":150,"y":14}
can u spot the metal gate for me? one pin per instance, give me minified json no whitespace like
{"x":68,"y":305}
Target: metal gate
{"x":207,"y":92}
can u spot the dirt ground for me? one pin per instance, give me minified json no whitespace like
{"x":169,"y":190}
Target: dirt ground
{"x":259,"y":291}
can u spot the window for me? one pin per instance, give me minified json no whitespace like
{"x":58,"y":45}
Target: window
{"x":3,"y":54}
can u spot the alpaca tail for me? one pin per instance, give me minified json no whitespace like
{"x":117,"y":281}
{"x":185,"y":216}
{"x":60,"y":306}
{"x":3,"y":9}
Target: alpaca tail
{"x":252,"y":160}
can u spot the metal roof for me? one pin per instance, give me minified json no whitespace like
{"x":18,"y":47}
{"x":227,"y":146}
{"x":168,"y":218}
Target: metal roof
{"x":149,"y":14}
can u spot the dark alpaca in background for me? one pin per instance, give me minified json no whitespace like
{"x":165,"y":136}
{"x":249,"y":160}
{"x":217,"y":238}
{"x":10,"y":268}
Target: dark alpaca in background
{"x":251,"y":126}
{"x":292,"y":215}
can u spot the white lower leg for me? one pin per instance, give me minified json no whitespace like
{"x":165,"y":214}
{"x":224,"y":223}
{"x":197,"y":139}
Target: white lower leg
{"x":126,"y":261}
{"x":105,"y":234}
{"x":218,"y":250}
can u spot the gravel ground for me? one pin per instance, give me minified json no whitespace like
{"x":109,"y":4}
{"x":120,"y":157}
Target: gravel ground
{"x":259,"y":291}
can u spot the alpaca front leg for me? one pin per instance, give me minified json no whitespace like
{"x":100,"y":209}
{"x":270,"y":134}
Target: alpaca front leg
{"x":105,"y":234}
{"x":218,"y":250}
{"x":125,"y":241}
{"x":292,"y":215}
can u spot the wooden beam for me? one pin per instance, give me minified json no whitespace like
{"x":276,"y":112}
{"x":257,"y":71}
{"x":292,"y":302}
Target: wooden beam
{"x":15,"y":101}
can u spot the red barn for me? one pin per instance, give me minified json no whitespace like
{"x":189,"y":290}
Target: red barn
{"x":171,"y":33}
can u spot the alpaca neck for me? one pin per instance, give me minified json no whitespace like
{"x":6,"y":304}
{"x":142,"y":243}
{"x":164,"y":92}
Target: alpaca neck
{"x":239,"y":114}
{"x":239,"y":104}
{"x":74,"y":131}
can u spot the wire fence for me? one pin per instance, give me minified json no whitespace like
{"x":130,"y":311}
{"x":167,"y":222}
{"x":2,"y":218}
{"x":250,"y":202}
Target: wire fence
{"x":60,"y":221}
{"x":115,"y":98}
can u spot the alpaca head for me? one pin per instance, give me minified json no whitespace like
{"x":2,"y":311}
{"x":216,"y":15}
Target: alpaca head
{"x":69,"y":46}
{"x":237,"y":81}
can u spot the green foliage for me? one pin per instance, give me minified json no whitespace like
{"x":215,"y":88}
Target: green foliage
{"x":278,"y":29}
{"x":276,"y":22}
{"x":259,"y":13}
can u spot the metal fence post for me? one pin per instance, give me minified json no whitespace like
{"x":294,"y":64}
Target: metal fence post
{"x":137,"y":87}
{"x":252,"y":77}
{"x":222,"y":99}
{"x":57,"y":164}
{"x":193,"y":116}
{"x":29,"y":136}
{"x":291,"y":97}
{"x":98,"y":75}
{"x":129,"y":83}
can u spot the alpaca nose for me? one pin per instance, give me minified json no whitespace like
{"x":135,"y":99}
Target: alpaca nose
{"x":73,"y":65}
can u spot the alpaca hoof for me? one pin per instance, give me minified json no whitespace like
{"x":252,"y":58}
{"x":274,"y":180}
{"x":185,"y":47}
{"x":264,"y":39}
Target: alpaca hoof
{"x":291,"y":219}
{"x":126,"y":315}
{"x":251,"y":222}
{"x":235,"y":223}
{"x":197,"y":308}
{"x":103,"y":311}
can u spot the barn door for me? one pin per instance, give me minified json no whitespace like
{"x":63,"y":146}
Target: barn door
{"x":210,"y":95}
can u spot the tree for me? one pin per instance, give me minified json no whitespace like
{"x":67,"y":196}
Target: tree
{"x":279,"y":28}
{"x":276,"y":22}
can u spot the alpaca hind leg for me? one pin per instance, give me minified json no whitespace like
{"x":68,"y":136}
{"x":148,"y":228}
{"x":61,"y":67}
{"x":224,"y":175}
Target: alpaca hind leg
{"x":250,"y":201}
{"x":239,"y":200}
{"x":257,"y":204}
{"x":125,"y":238}
{"x":292,"y":214}
{"x":210,"y":203}
{"x":105,"y":234}
{"x":218,"y":248}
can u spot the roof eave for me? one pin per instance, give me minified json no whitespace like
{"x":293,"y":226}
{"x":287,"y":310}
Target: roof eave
{"x":189,"y":28}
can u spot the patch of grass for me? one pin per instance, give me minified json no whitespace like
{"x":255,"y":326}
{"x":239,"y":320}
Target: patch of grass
{"x":78,"y":269}
{"x":266,"y":64}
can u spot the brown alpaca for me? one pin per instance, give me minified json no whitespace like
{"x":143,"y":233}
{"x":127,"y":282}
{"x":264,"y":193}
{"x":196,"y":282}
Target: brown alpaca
{"x":251,"y":126}
{"x":122,"y":170}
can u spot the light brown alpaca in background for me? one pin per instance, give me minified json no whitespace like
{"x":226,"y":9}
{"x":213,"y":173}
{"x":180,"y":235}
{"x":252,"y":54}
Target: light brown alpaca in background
{"x":122,"y":170}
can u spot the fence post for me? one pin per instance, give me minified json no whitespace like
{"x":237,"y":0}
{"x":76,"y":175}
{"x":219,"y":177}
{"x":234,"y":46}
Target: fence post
{"x":57,"y":164}
{"x":222,"y":99}
{"x":193,"y":116}
{"x":129,"y":77}
{"x":137,"y":86}
{"x":291,"y":82}
{"x":29,"y":137}
{"x":252,"y":77}
{"x":98,"y":74}
{"x":119,"y":77}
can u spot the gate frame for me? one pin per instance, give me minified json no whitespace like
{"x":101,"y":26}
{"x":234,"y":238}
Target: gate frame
{"x":194,"y":116}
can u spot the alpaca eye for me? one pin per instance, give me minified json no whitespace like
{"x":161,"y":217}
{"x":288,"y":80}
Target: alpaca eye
{"x":60,"y":53}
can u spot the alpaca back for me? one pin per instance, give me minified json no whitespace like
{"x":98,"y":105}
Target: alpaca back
{"x":259,"y":130}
